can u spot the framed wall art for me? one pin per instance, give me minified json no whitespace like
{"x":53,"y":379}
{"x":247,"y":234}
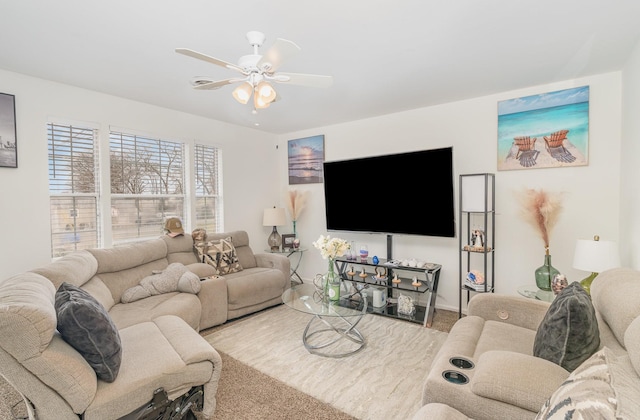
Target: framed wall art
{"x":548,"y":130}
{"x":8,"y":136}
{"x":306,"y":156}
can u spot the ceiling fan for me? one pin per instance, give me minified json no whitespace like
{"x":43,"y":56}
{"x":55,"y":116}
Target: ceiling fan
{"x":258,"y":72}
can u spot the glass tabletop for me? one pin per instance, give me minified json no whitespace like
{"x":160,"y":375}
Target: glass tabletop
{"x":532,"y":292}
{"x":306,"y":298}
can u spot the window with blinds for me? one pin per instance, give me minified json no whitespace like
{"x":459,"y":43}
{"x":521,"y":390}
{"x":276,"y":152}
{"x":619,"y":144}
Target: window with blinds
{"x":147,"y":185}
{"x":208,"y":200}
{"x":73,"y":188}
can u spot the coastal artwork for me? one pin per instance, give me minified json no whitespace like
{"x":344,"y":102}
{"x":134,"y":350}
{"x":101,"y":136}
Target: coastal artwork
{"x":8,"y":146}
{"x":548,"y":130}
{"x":306,"y":156}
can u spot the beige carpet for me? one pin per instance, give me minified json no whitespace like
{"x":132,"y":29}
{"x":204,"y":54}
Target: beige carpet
{"x":382,"y":381}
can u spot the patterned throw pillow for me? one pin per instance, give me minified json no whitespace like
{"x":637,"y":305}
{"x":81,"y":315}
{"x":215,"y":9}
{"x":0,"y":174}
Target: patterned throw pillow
{"x":568,"y":335}
{"x":220,"y":254}
{"x":587,"y":393}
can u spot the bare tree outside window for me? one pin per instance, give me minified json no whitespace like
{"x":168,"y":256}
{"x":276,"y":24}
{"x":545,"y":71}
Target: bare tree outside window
{"x":147,"y":185}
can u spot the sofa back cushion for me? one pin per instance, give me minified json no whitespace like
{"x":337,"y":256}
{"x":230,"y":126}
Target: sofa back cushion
{"x":240,"y":240}
{"x":123,"y":267}
{"x":75,"y":268}
{"x":615,"y":296}
{"x":180,"y":249}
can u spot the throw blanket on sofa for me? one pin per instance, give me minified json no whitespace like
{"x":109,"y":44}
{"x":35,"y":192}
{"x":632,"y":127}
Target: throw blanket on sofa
{"x":175,"y":278}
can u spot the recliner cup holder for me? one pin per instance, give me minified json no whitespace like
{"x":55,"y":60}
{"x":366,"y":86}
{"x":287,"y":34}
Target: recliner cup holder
{"x":461,"y":363}
{"x":455,"y":377}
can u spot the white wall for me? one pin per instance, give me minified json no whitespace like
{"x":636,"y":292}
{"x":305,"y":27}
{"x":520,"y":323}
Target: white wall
{"x":629,"y":220}
{"x":591,"y":193}
{"x":24,"y":199}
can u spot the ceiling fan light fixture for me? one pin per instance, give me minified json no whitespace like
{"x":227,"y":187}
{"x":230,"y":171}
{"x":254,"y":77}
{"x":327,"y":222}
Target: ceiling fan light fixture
{"x":243,"y":92}
{"x":259,"y":103}
{"x":266,"y":92}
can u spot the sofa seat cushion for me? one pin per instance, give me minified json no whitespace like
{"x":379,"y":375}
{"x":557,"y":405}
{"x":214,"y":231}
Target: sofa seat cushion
{"x":507,"y":337}
{"x":163,"y":353}
{"x":184,"y":305}
{"x":253,"y":286}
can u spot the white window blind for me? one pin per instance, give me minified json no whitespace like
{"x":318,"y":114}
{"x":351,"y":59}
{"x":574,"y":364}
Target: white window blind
{"x":208,"y":191}
{"x":73,"y":188}
{"x":147,"y":185}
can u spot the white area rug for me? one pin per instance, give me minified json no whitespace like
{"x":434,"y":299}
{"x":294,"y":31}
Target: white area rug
{"x":382,"y":381}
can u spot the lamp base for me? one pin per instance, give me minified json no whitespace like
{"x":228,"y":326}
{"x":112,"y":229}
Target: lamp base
{"x":274,"y":240}
{"x":586,"y":283}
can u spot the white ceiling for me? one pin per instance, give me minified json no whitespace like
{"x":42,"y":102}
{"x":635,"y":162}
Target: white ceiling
{"x":385,"y":56}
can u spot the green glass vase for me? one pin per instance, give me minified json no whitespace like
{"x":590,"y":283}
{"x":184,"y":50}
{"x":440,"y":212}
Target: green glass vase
{"x":332,"y":283}
{"x":545,"y":273}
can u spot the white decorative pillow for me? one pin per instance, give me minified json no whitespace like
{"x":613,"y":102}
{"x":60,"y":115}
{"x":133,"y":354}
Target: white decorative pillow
{"x":597,"y":389}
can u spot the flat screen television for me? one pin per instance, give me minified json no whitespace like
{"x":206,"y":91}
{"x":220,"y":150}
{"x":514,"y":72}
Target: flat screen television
{"x":405,"y":193}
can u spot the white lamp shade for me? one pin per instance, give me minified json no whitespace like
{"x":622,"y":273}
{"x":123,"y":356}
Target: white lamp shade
{"x":596,"y":256}
{"x":266,"y":92}
{"x":274,"y":217}
{"x":474,"y":194}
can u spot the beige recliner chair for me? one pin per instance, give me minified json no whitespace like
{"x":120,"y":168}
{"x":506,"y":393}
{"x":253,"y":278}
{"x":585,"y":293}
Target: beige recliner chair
{"x":162,"y":353}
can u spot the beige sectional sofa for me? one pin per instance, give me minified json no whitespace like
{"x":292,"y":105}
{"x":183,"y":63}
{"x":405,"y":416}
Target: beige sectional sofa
{"x":160,"y":343}
{"x":506,"y":381}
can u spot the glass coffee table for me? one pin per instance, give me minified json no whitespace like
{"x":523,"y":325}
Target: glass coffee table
{"x":331,"y":332}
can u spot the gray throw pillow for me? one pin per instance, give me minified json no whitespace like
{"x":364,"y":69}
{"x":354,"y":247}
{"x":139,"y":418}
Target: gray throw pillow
{"x":85,"y":324}
{"x":568,"y":334}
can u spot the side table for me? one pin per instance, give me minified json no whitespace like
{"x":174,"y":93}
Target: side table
{"x":532,"y":292}
{"x":294,"y":268}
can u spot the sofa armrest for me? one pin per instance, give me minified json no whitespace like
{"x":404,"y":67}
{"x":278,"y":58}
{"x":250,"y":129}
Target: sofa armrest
{"x":213,"y":301}
{"x":515,"y":310}
{"x":517,"y":379}
{"x":276,"y":261}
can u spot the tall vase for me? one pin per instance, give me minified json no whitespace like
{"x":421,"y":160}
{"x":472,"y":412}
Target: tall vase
{"x":332,"y":283}
{"x":295,"y":235}
{"x":545,"y":273}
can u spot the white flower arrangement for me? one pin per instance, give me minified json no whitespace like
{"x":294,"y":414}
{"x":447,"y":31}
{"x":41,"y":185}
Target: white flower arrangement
{"x":331,"y":248}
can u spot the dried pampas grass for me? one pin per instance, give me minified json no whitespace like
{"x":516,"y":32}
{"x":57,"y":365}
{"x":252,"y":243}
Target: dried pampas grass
{"x":296,"y":202}
{"x":541,"y":210}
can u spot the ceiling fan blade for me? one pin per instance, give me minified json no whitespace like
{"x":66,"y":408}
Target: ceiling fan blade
{"x":216,"y":84}
{"x":209,"y":59}
{"x":280,"y":51}
{"x":312,"y":80}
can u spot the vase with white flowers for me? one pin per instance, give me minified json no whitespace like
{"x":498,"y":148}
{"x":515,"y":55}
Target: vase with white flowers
{"x":330,"y":249}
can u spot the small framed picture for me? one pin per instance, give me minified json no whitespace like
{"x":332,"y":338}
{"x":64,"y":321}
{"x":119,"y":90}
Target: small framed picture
{"x":287,"y":241}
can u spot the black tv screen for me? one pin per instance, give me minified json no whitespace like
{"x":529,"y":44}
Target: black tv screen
{"x":405,"y":193}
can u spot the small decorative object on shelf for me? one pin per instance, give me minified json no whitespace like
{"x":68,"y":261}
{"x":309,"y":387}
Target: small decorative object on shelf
{"x":381,"y":273}
{"x":396,"y":280}
{"x":375,"y":259}
{"x":364,"y":252}
{"x":362,"y":273}
{"x":351,"y":271}
{"x":415,"y":283}
{"x":296,"y":243}
{"x":558,"y":283}
{"x":406,"y":306}
{"x":475,"y":280}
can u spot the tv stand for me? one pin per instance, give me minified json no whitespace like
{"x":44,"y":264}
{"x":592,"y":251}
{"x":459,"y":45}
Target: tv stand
{"x":428,"y":277}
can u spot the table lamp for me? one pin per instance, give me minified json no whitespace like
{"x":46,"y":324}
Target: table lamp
{"x":274,"y":217}
{"x":595,"y":256}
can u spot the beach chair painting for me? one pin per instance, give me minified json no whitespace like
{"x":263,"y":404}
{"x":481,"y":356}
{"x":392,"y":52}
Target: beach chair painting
{"x":555,"y":147}
{"x":548,"y":130}
{"x":527,"y":152}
